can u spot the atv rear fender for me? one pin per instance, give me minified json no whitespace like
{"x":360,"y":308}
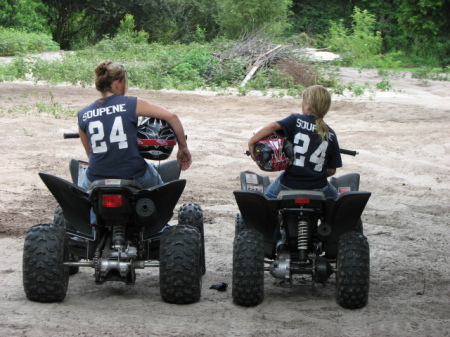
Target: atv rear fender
{"x":76,"y":204}
{"x":261,"y":214}
{"x":344,"y":217}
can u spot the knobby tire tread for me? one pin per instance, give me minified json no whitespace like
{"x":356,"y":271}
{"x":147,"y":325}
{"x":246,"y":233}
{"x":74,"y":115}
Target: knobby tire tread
{"x":45,"y":278}
{"x":192,"y":215}
{"x":248,"y":268}
{"x":180,"y":266}
{"x":353,"y":271}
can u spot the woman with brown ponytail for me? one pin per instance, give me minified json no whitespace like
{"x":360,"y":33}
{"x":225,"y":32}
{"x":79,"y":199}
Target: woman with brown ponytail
{"x":315,"y":145}
{"x":108,"y":131}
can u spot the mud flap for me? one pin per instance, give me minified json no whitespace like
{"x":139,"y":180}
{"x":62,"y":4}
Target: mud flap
{"x":346,"y":183}
{"x":165,"y":198}
{"x":77,"y":170}
{"x":345,"y":214}
{"x":169,"y":170}
{"x":259,"y":213}
{"x":74,"y":202}
{"x":251,"y":181}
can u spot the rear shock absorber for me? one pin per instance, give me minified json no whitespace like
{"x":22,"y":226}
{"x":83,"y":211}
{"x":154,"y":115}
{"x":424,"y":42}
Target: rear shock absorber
{"x":118,"y":238}
{"x":302,"y":240}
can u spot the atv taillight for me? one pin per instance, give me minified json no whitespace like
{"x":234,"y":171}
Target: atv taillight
{"x":302,"y":200}
{"x":112,"y":200}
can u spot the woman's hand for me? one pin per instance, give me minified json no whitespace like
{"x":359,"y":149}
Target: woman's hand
{"x":184,"y":158}
{"x":251,"y":149}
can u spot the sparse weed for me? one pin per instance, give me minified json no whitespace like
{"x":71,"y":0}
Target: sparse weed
{"x":384,"y":85}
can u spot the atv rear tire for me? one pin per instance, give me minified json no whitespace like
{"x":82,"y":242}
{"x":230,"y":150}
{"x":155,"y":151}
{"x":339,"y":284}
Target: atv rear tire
{"x":239,"y":224}
{"x":180,"y":277}
{"x":248,"y":268}
{"x":353,"y":271}
{"x":45,"y":277}
{"x":192,"y":215}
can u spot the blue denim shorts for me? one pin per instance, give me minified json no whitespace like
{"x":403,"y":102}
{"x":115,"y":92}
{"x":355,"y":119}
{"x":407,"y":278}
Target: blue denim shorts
{"x":276,"y":186}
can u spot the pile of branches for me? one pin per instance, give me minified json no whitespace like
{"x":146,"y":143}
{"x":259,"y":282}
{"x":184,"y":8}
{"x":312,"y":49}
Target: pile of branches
{"x":259,"y":53}
{"x":257,"y":49}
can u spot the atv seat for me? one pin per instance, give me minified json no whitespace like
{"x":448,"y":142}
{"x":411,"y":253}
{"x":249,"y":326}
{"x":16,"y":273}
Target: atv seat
{"x":116,"y":183}
{"x":296,"y":194}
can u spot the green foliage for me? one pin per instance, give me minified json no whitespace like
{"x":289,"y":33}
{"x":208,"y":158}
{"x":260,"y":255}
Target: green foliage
{"x":13,"y":42}
{"x":427,"y":73}
{"x":127,"y":39}
{"x":384,"y":85}
{"x":74,"y":69}
{"x":424,"y":18}
{"x":359,"y":42}
{"x":237,"y":17}
{"x":228,"y":73}
{"x":24,"y":15}
{"x":127,"y":31}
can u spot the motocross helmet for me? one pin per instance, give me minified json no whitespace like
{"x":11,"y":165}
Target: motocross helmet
{"x":274,"y":153}
{"x":156,"y":139}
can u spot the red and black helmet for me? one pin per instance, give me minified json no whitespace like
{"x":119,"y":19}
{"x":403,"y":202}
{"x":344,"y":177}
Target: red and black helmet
{"x":156,"y":139}
{"x":274,"y":153}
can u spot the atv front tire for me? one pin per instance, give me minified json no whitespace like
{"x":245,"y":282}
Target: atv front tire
{"x":248,"y":268}
{"x":192,"y":215}
{"x":180,"y":277}
{"x":45,"y":277}
{"x":353,"y":271}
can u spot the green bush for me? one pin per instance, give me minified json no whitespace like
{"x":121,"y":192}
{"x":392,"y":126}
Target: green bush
{"x":14,"y":42}
{"x":359,"y":42}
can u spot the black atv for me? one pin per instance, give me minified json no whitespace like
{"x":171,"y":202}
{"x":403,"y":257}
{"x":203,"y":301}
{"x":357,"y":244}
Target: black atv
{"x":131,"y":232}
{"x":301,"y":232}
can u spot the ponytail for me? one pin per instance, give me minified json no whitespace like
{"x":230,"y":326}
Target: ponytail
{"x":106,"y":73}
{"x":319,"y":101}
{"x":322,"y":129}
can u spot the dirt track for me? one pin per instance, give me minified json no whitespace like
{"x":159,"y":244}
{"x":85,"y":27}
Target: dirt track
{"x":402,"y":138}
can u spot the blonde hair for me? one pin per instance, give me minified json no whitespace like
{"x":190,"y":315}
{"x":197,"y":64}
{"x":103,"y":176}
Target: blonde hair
{"x":319,"y":100}
{"x":107,"y":72}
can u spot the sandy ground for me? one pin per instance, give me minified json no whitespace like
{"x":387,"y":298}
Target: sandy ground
{"x":404,"y":152}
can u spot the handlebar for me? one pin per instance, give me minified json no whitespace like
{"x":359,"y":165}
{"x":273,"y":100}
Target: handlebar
{"x":349,"y":152}
{"x":343,"y":151}
{"x":71,"y":135}
{"x":77,"y":135}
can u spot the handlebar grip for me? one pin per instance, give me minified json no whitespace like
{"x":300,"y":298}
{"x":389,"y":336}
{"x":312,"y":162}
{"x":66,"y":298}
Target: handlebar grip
{"x":349,"y":152}
{"x":71,"y":135}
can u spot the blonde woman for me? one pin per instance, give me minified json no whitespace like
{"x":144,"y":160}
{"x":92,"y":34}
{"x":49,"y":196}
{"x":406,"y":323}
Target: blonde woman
{"x":315,"y":146}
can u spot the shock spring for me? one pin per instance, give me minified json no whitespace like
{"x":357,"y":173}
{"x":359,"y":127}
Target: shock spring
{"x":118,"y":238}
{"x":302,"y":239}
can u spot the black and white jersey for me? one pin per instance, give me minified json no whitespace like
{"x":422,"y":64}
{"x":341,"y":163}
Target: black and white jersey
{"x":312,"y":156}
{"x":111,"y":127}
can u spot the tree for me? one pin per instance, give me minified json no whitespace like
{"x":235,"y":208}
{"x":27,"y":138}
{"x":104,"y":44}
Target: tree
{"x":361,"y":41}
{"x":425,"y":18}
{"x":427,"y":24}
{"x":174,"y":20}
{"x":236,"y":17}
{"x":76,"y":21}
{"x":24,"y":15}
